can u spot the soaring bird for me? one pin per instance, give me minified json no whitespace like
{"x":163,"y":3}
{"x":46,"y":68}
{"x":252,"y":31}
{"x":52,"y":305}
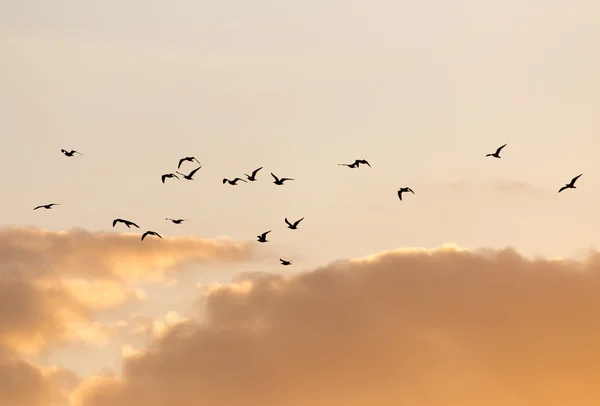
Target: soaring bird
{"x":252,"y":177}
{"x":352,"y":165}
{"x":279,"y":181}
{"x":70,"y":153}
{"x":293,"y":226}
{"x":168,"y":175}
{"x":362,"y":161}
{"x":570,"y":185}
{"x":233,"y":182}
{"x":126,"y":222}
{"x":497,"y":153}
{"x":404,"y":189}
{"x":263,"y":236}
{"x":190,"y":175}
{"x":150,"y":233}
{"x":47,"y":206}
{"x":177,"y":221}
{"x":284,"y":262}
{"x":187,"y":158}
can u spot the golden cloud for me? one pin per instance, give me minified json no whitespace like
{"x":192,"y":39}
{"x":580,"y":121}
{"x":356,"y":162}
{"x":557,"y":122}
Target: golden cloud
{"x":443,"y":327}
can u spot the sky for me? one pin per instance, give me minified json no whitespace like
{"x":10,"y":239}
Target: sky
{"x":91,"y":316}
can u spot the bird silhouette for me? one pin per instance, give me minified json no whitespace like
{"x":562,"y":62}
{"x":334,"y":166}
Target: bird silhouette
{"x":47,"y":206}
{"x":263,"y":236}
{"x":70,"y":153}
{"x":126,"y":222}
{"x":570,"y":185}
{"x":189,"y":159}
{"x":190,"y":175}
{"x":177,"y":221}
{"x":285,"y":262}
{"x":233,"y":182}
{"x":168,"y":175}
{"x":362,"y":161}
{"x":497,"y":153}
{"x":279,"y":181}
{"x":352,"y":165}
{"x":150,"y":233}
{"x":295,"y":225}
{"x":404,"y":189}
{"x":252,"y":177}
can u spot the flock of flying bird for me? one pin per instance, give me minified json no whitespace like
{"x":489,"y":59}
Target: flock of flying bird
{"x":262,"y":238}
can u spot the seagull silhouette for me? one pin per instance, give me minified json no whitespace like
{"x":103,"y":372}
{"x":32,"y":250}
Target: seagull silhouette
{"x":497,"y":153}
{"x":70,"y":153}
{"x":47,"y":206}
{"x":279,"y":181}
{"x":189,"y":159}
{"x":150,"y":233}
{"x":126,"y":222}
{"x":233,"y":182}
{"x":263,"y":236}
{"x":284,"y":262}
{"x":177,"y":221}
{"x":252,"y":177}
{"x":295,"y":225}
{"x":168,"y":175}
{"x":191,"y":174}
{"x":404,"y":189}
{"x":570,"y":185}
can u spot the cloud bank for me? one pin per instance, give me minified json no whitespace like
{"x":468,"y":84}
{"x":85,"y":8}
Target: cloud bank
{"x":53,"y":283}
{"x":442,"y":327}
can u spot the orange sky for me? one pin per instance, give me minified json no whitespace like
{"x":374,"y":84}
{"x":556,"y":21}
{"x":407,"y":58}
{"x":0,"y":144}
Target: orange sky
{"x":91,"y":316}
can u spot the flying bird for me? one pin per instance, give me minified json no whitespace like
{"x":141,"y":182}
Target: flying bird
{"x":295,"y":225}
{"x":233,"y":182}
{"x":263,"y":236}
{"x":177,"y":221}
{"x":352,"y":165}
{"x":570,"y":185}
{"x":126,"y":222}
{"x":404,"y":189}
{"x":189,"y":159}
{"x":284,"y":262}
{"x":190,"y":175}
{"x":168,"y":175}
{"x":47,"y":206}
{"x":150,"y":233}
{"x":497,"y":153}
{"x":279,"y":181}
{"x":252,"y":177}
{"x":70,"y":153}
{"x":362,"y":161}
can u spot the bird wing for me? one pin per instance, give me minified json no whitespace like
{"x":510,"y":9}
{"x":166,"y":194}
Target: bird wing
{"x":115,"y":221}
{"x":158,"y":235}
{"x":144,"y":235}
{"x":284,"y":179}
{"x":287,"y":222}
{"x":194,"y":158}
{"x":298,"y":222}
{"x":562,"y":188}
{"x":163,"y":178}
{"x":575,"y":179}
{"x":133,"y":224}
{"x":225,"y":180}
{"x":180,"y":162}
{"x":254,"y":172}
{"x":194,"y":171}
{"x":77,"y":152}
{"x":276,"y":178}
{"x":39,"y":207}
{"x":236,"y":179}
{"x":266,"y":232}
{"x":500,"y":148}
{"x":410,"y":190}
{"x":400,"y":194}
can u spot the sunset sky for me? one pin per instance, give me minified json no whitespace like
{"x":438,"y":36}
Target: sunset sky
{"x":481,"y":288}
